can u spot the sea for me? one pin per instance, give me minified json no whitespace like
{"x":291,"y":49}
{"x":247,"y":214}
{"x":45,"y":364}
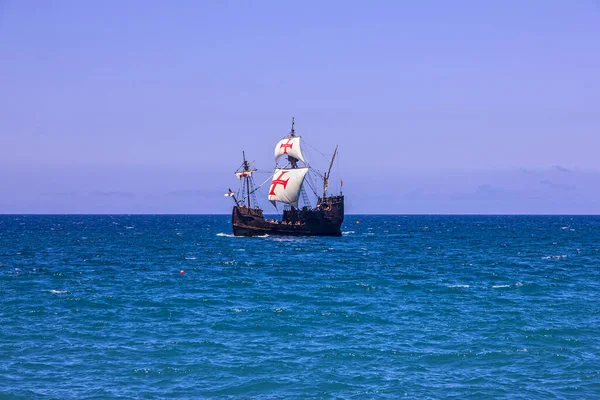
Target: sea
{"x":399,"y":306}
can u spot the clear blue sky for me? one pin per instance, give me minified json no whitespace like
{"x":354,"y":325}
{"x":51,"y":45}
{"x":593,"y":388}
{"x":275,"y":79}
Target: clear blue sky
{"x":438,"y":106}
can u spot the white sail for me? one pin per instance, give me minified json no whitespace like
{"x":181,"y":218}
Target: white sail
{"x":242,"y":174}
{"x":289,"y":147}
{"x":286,"y":185}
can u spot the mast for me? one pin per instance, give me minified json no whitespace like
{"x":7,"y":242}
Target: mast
{"x":328,"y":174}
{"x":286,"y":184}
{"x":293,"y":161}
{"x":292,"y":132}
{"x":246,"y":169}
{"x":244,"y":174}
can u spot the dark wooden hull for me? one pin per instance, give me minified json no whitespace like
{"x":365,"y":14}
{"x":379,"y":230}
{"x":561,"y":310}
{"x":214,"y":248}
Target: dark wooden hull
{"x":324,"y":220}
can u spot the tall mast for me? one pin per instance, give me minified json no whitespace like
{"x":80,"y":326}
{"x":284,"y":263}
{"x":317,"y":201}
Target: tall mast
{"x":246,"y":169}
{"x":292,"y":132}
{"x":328,"y":174}
{"x":293,"y":161}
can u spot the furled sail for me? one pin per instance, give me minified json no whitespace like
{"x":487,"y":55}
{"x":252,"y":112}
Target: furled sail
{"x":286,"y":185}
{"x":242,"y":174}
{"x":289,"y":147}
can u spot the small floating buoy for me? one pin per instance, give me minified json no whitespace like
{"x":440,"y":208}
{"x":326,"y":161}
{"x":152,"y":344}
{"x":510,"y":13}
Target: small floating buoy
{"x":357,"y":222}
{"x":181,"y":272}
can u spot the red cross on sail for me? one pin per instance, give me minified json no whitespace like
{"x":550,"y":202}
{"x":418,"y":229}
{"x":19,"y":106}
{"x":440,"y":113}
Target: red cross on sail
{"x":286,"y":146}
{"x":289,"y":147}
{"x":286,"y":185}
{"x":279,"y":181}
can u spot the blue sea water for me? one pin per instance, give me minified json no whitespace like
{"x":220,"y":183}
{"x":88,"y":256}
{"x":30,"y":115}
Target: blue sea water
{"x":399,"y":306}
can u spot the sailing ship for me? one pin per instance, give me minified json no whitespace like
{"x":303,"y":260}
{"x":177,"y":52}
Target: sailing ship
{"x":286,"y":186}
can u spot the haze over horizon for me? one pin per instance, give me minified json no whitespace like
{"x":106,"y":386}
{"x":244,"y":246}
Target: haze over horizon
{"x":146,"y":106}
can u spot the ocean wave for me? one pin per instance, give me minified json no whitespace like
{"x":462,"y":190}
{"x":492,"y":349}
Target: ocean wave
{"x":348,"y":232}
{"x":366,"y":285}
{"x":286,"y":239}
{"x":555,"y":257}
{"x":221,"y":234}
{"x":370,"y":301}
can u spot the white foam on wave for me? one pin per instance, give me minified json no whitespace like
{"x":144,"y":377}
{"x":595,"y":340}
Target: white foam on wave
{"x":58,"y":291}
{"x":348,"y":232}
{"x":191,"y":258}
{"x":221,"y":234}
{"x":366,"y":286}
{"x":564,"y":228}
{"x":459,"y":286}
{"x":285,"y":239}
{"x":555,"y":257}
{"x":500,"y":286}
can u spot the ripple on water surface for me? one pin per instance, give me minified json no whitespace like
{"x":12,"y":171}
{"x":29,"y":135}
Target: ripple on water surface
{"x":416,"y":306}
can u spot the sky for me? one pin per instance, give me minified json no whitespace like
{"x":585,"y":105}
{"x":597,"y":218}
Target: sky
{"x":437,"y":107}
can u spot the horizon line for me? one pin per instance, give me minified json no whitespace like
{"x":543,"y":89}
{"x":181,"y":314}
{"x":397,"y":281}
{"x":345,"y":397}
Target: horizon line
{"x":357,"y":214}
